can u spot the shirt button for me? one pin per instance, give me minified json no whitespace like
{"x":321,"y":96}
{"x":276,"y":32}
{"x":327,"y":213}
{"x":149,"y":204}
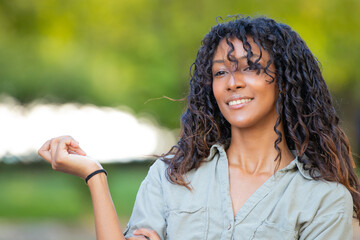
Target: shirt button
{"x":229,"y":226}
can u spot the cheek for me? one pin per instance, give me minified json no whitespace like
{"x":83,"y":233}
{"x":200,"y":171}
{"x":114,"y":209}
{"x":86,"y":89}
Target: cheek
{"x":268,"y":91}
{"x":219,"y":88}
{"x":269,"y":99}
{"x":216,"y":91}
{"x":272,"y":93}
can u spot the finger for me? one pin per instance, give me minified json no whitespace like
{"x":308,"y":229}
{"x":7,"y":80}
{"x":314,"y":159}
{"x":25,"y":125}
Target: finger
{"x":81,"y":152}
{"x":59,"y":147}
{"x":71,"y":152}
{"x":73,"y":145}
{"x":67,"y":143}
{"x":44,"y":151}
{"x":77,"y":150}
{"x":53,"y":147}
{"x":137,"y":238}
{"x":148,"y":233}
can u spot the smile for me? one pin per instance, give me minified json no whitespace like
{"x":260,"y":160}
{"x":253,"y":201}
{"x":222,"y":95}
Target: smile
{"x":240,"y":101}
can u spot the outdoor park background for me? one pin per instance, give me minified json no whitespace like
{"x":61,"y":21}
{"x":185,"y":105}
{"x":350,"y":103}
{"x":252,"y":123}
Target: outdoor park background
{"x":124,"y":56}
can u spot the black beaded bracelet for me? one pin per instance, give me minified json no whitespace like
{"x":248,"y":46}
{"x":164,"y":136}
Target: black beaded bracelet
{"x":94,"y":173}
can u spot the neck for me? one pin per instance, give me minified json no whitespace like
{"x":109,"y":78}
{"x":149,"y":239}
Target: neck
{"x":252,"y":150}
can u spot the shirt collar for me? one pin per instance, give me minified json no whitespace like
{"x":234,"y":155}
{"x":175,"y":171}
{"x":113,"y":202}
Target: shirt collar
{"x":219,"y":148}
{"x":296,"y":164}
{"x":216,"y":148}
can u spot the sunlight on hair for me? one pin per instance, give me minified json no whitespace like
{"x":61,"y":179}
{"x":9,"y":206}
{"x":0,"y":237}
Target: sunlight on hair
{"x":106,"y":134}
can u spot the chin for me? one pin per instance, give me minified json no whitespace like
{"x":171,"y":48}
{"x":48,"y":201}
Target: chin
{"x":242,"y":124}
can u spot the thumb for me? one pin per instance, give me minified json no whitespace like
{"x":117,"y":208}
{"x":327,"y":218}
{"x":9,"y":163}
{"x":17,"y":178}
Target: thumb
{"x":44,"y":151}
{"x":147,"y":233}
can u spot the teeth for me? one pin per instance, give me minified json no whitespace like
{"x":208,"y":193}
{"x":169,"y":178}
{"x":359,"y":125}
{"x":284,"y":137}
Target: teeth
{"x":239,"y":101}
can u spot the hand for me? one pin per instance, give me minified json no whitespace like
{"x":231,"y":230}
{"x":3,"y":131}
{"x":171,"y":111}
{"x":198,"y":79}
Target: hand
{"x":144,"y":234}
{"x":65,"y":155}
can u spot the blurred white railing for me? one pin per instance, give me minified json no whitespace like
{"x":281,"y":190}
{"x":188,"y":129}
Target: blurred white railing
{"x":107,"y":134}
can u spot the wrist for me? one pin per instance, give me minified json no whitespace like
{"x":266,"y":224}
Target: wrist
{"x":94,"y":173}
{"x":97,"y":181}
{"x":94,"y":166}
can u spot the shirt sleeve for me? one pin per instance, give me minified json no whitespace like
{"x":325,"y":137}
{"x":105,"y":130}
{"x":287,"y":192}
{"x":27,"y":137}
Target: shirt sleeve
{"x":333,"y":225}
{"x":149,"y":207}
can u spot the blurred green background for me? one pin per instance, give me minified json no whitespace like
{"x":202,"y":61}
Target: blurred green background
{"x":117,"y":52}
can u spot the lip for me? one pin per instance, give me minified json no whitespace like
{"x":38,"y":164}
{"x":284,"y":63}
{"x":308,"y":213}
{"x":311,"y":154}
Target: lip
{"x":235,"y":98}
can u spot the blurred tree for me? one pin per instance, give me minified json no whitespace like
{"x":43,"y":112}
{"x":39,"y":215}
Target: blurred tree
{"x":113,"y":52}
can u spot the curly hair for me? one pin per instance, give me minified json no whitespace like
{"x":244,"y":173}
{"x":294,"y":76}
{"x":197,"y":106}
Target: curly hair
{"x":304,"y":105}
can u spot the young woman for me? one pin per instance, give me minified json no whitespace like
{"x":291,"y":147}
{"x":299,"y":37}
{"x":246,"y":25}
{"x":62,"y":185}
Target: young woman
{"x":260,"y":156}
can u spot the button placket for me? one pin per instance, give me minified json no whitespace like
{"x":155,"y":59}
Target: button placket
{"x":229,"y":226}
{"x":227,"y":209}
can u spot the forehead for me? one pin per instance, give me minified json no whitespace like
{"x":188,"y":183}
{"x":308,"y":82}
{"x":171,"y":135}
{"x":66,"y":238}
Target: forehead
{"x":223,"y":48}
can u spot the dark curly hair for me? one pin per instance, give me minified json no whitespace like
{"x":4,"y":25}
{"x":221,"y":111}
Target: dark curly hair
{"x":304,"y":105}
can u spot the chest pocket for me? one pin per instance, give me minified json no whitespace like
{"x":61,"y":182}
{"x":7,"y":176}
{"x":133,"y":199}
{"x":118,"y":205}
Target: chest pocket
{"x":272,"y":231}
{"x":187,"y":224}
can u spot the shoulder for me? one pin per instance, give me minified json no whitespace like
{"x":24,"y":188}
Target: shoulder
{"x":330,"y":196}
{"x":315,"y":197}
{"x":198,"y":180}
{"x":158,"y":166}
{"x":326,"y":210}
{"x":157,"y":171}
{"x":319,"y":206}
{"x":335,"y":197}
{"x":320,"y":199}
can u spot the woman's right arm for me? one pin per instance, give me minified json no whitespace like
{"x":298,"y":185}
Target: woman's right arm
{"x":65,"y":155}
{"x":106,"y":220}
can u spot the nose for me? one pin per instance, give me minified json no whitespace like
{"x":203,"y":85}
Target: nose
{"x":236,"y":81}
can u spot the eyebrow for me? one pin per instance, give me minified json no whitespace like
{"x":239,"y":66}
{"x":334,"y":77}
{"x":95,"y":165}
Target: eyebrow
{"x":222,"y":60}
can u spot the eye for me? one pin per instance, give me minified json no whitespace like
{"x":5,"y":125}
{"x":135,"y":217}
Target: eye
{"x":253,"y":67}
{"x":219,"y":73}
{"x":250,"y":68}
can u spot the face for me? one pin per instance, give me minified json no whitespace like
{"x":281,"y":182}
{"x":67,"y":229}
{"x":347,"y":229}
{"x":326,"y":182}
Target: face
{"x":245,"y":98}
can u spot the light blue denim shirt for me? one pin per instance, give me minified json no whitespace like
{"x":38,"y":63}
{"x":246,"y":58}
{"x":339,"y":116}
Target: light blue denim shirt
{"x":289,"y":205}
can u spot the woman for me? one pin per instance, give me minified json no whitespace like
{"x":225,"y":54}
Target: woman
{"x":260,"y":156}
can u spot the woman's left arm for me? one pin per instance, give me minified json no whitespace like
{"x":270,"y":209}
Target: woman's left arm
{"x":333,"y":221}
{"x":332,"y":227}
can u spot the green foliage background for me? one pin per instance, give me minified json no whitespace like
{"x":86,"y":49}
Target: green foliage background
{"x":118,"y":52}
{"x":34,"y":192}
